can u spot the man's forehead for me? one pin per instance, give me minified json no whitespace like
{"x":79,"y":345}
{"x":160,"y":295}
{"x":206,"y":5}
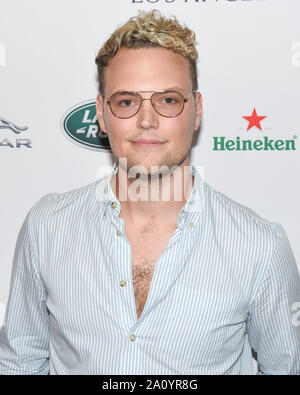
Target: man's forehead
{"x":164,"y":88}
{"x":147,"y":69}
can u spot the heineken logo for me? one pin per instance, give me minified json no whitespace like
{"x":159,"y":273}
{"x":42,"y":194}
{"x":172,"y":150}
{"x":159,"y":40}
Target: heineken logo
{"x":265,"y":144}
{"x":254,"y":120}
{"x":222,"y":143}
{"x":80,"y":125}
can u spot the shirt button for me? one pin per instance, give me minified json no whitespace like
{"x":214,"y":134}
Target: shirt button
{"x":114,"y":205}
{"x":132,"y":338}
{"x":123,"y":283}
{"x":104,"y":213}
{"x":118,"y":233}
{"x":191,"y":224}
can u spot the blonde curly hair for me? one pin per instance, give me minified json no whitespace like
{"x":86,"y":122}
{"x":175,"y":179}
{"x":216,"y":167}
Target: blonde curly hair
{"x":150,"y":29}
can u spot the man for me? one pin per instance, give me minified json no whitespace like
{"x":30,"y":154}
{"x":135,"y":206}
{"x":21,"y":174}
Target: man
{"x":112,"y":278}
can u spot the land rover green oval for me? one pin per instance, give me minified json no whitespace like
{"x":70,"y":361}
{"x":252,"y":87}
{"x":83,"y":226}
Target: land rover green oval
{"x":80,"y":125}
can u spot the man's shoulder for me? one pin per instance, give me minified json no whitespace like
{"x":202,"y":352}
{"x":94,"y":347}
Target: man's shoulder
{"x":82,"y":192}
{"x":226,"y":209}
{"x":73,"y":201}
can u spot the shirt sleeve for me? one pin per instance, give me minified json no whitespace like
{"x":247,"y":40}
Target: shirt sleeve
{"x":24,"y":336}
{"x":273,"y":327}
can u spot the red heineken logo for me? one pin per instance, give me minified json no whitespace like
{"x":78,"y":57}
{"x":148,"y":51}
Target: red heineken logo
{"x":262,"y":143}
{"x":254,"y":120}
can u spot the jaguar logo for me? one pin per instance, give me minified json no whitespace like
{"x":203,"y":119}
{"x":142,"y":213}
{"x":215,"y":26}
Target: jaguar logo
{"x":4,"y":124}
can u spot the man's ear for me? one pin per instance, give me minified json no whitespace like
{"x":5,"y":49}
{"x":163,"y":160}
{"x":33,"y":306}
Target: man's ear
{"x":198,"y":102}
{"x":99,"y":111}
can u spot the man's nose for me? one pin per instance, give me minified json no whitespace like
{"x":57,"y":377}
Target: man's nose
{"x":147,"y":117}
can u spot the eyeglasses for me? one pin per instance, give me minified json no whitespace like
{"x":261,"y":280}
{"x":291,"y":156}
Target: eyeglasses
{"x":166,"y":103}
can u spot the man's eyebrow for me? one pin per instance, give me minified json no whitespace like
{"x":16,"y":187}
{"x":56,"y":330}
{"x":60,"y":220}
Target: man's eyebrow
{"x":177,"y":88}
{"x":123,"y":92}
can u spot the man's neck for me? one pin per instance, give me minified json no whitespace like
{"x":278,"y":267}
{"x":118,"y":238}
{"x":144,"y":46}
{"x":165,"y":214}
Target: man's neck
{"x":157,"y":199}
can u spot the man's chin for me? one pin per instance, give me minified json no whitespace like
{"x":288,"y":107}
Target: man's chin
{"x":154,"y":169}
{"x":147,"y":171}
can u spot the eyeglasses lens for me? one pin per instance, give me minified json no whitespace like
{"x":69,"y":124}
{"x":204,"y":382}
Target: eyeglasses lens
{"x":168,"y":104}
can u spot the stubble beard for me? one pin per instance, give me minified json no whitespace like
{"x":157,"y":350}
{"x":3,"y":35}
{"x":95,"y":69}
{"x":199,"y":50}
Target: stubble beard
{"x":164,"y":166}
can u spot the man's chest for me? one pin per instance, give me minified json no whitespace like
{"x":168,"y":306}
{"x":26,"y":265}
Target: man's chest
{"x":197,"y":300}
{"x":147,"y":245}
{"x":193,"y":301}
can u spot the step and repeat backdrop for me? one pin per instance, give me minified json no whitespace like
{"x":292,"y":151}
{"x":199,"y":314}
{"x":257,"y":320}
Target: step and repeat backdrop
{"x":249,"y":76}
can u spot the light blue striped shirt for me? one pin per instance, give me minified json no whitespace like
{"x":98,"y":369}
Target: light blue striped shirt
{"x":226,"y":282}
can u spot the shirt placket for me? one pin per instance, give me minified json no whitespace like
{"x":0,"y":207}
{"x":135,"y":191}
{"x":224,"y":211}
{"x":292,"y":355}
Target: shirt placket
{"x":167,"y":269}
{"x":121,"y":265}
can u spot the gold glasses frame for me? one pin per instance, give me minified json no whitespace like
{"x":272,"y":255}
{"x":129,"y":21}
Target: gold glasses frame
{"x":184,"y":100}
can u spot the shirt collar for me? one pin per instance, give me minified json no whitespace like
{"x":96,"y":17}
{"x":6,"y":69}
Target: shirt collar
{"x":188,"y":214}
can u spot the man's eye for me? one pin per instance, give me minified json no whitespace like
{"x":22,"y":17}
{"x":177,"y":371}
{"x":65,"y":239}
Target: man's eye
{"x":126,"y":103}
{"x":169,"y":100}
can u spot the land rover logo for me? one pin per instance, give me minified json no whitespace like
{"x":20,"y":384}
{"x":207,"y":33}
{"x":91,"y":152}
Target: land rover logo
{"x":79,"y":124}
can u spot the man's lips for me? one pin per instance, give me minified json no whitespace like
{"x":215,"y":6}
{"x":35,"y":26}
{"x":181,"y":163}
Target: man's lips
{"x":147,"y":143}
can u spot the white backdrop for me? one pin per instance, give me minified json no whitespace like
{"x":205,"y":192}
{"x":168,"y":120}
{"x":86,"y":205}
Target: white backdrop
{"x":249,"y":57}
